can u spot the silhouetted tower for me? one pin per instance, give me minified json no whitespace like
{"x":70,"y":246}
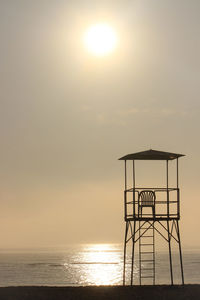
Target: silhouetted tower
{"x":150,"y":211}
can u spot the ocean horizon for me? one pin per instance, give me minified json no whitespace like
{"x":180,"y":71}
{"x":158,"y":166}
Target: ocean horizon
{"x":87,"y":264}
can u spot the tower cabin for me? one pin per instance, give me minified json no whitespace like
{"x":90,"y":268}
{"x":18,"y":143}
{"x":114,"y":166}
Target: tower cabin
{"x":150,"y":210}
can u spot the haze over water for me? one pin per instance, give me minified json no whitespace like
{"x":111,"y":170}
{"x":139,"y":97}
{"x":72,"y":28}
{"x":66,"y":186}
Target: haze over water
{"x":67,"y":116}
{"x":94,"y":264}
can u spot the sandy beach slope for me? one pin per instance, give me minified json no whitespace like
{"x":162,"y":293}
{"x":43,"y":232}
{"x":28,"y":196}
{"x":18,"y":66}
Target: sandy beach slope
{"x":162,"y":292}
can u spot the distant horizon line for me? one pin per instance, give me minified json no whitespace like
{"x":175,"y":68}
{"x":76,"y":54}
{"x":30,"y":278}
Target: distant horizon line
{"x":71,"y":245}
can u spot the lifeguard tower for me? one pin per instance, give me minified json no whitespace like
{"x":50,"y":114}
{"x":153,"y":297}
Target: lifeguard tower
{"x":150,"y":211}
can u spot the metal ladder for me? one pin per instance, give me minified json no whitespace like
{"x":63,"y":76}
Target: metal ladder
{"x":146,"y":252}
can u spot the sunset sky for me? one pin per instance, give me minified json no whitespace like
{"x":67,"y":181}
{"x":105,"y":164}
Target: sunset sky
{"x":67,"y":115}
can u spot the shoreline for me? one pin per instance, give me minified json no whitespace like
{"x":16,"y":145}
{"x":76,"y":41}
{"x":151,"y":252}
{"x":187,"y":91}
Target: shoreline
{"x":157,"y":292}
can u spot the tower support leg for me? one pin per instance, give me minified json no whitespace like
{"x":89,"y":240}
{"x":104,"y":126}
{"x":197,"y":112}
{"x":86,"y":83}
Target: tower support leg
{"x":180,"y":251}
{"x":133,"y":251}
{"x":170,"y":253}
{"x":125,"y":242}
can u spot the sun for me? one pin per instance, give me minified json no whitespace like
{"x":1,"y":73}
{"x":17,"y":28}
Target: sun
{"x":100,"y":39}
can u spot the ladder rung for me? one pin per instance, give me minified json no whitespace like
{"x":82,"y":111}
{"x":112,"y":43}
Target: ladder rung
{"x":147,"y":276}
{"x":145,"y":260}
{"x":146,"y":244}
{"x":149,"y":269}
{"x":146,"y":252}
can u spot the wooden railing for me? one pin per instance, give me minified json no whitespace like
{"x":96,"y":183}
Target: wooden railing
{"x":167,"y":203}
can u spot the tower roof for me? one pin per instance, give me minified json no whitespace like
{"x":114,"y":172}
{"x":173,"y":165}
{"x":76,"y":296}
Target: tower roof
{"x":151,"y":155}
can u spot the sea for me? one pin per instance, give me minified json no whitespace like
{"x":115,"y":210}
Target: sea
{"x":85,"y":265}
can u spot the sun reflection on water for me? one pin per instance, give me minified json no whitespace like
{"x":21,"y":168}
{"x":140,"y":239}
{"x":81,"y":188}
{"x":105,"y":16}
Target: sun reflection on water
{"x":101,"y":264}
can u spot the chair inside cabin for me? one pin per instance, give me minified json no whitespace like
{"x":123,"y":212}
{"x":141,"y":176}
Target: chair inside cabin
{"x":146,"y":199}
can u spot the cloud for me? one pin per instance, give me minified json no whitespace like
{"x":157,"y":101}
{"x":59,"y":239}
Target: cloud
{"x":124,"y":116}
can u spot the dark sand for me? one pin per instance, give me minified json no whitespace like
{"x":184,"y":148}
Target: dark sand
{"x":160,"y":292}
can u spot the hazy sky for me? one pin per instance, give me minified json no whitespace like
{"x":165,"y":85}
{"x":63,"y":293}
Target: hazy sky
{"x":66,"y":116}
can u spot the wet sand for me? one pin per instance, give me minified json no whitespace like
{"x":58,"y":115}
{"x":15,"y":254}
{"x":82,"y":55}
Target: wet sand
{"x":160,"y":292}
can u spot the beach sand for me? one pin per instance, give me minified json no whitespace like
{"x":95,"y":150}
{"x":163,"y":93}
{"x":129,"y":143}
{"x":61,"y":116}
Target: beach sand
{"x":160,"y":292}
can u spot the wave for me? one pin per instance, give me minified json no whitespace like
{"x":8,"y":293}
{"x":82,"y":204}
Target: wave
{"x":95,"y":263}
{"x":72,"y":263}
{"x":44,"y":264}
